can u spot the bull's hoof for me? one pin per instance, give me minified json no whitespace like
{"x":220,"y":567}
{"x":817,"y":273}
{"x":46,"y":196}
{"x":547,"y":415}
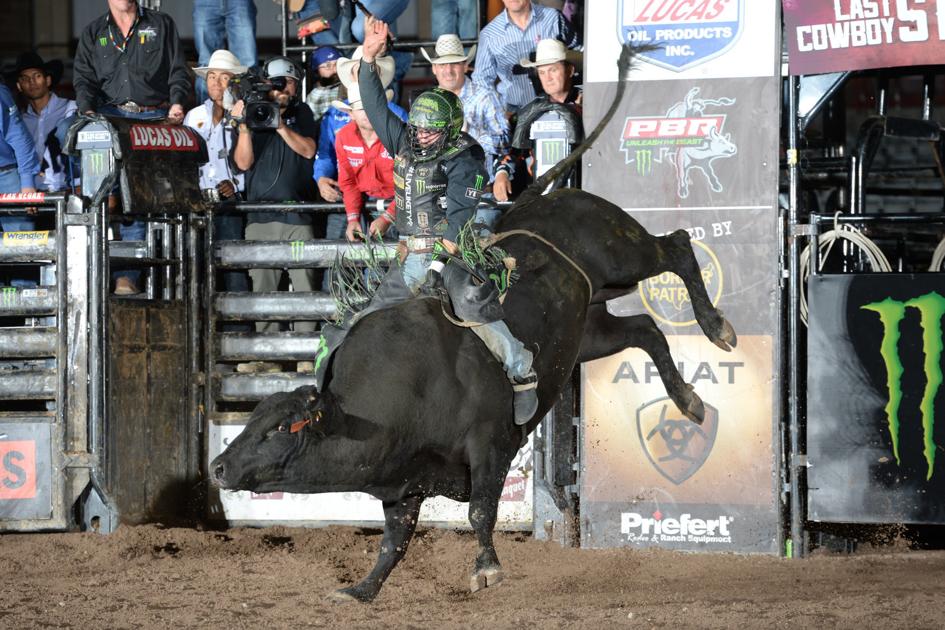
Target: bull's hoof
{"x":727,"y":338}
{"x":350,"y":594}
{"x":484,"y":578}
{"x":695,"y":410}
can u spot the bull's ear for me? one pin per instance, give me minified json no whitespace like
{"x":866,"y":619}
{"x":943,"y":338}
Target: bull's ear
{"x":308,"y":392}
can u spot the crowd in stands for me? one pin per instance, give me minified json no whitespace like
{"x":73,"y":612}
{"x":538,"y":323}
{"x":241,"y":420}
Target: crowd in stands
{"x":130,"y":63}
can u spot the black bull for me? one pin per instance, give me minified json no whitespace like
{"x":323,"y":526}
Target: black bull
{"x":416,"y":407}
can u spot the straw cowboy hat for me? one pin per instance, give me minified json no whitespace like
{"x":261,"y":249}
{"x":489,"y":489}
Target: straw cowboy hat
{"x":449,"y":49}
{"x":354,"y":99}
{"x":221,"y":60}
{"x":385,"y":68}
{"x":551,"y":51}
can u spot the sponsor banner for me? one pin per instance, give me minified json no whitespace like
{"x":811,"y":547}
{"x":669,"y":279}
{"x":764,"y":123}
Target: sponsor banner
{"x":25,"y":471}
{"x":21,"y":198}
{"x":163,"y":138}
{"x":874,"y":378}
{"x":664,"y":480}
{"x":695,"y":39}
{"x":860,"y":34}
{"x":25,"y":239}
{"x":515,"y":505}
{"x":686,"y":144}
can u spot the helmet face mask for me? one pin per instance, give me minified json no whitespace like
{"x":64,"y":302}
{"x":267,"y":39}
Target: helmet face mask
{"x":435,"y":110}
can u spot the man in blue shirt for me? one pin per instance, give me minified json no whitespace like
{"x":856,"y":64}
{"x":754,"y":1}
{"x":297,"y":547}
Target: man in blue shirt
{"x":512,"y":36}
{"x":18,"y":162}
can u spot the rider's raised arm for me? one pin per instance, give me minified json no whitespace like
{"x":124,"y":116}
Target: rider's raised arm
{"x":390,"y":129}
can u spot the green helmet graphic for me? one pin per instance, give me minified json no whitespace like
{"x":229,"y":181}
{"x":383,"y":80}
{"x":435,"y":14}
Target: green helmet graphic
{"x":434,"y":110}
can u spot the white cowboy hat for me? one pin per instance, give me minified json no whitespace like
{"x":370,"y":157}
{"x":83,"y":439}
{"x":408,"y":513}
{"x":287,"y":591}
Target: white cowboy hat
{"x":551,"y":51}
{"x":385,"y":68}
{"x":449,"y":49}
{"x":222,"y":60}
{"x":354,"y":99}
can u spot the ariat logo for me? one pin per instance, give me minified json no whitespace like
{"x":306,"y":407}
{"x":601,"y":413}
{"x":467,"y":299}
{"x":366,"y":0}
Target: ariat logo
{"x":298,"y":248}
{"x":931,"y":308}
{"x":676,"y":446}
{"x":8,"y":296}
{"x":666,"y":297}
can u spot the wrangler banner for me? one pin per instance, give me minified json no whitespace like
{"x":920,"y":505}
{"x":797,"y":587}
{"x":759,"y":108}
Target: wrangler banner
{"x":859,"y":34}
{"x":695,"y":148}
{"x":875,"y":398}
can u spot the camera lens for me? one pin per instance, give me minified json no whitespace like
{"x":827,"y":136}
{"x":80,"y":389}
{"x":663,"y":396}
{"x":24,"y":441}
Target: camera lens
{"x":260,"y":114}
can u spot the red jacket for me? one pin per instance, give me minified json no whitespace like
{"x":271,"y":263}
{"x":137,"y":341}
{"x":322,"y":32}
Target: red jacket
{"x":363,"y":171}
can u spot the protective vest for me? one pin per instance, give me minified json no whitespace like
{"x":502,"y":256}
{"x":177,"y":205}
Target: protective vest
{"x":420,"y":189}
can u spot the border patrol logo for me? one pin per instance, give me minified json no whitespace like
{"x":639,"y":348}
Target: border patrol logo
{"x":689,"y":32}
{"x":666,"y":297}
{"x":676,"y":446}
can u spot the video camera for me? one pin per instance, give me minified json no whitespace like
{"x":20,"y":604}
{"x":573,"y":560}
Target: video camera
{"x":253,"y":88}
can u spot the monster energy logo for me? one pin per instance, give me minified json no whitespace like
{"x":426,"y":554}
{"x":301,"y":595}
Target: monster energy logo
{"x":8,"y":296}
{"x":644,"y":161}
{"x":552,"y":151}
{"x":103,"y":41}
{"x":931,"y":307}
{"x":297,"y":248}
{"x":320,"y":352}
{"x":421,"y":186}
{"x":94,"y":162}
{"x":479,"y":182}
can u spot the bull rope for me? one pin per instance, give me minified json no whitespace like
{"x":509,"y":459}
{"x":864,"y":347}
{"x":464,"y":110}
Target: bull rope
{"x":495,"y":238}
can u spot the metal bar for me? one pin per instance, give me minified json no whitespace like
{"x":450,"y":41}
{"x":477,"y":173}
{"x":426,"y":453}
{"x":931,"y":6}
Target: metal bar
{"x":99,"y":280}
{"x":28,"y":302}
{"x":32,"y":342}
{"x":32,"y":384}
{"x":794,"y":421}
{"x":296,"y":254}
{"x":299,"y":346}
{"x":899,"y":218}
{"x":29,"y":250}
{"x":274,"y":306}
{"x":398,"y":45}
{"x":249,"y":387}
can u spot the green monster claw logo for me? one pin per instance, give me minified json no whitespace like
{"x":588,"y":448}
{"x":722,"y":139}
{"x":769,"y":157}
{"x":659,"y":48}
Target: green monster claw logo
{"x":297,"y":248}
{"x":644,"y":161}
{"x":931,"y":307}
{"x":8,"y":296}
{"x":103,"y":41}
{"x":321,"y":352}
{"x":552,"y":151}
{"x":420,"y":185}
{"x":479,"y":182}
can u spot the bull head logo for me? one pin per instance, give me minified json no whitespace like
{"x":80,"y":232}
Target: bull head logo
{"x":675,"y":446}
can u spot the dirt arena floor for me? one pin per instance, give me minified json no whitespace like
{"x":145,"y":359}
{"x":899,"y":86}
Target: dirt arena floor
{"x":152,"y":577}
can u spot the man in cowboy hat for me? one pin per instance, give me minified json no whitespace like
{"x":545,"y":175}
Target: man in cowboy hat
{"x":438,"y":181}
{"x":365,"y":171}
{"x":326,"y":160}
{"x":512,"y":35}
{"x":219,"y":178}
{"x":555,"y":65}
{"x":483,"y":114}
{"x":46,"y":116}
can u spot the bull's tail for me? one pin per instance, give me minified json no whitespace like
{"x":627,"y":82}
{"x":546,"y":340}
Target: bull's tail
{"x":625,"y":64}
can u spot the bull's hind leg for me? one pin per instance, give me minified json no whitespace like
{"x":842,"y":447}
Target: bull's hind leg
{"x":605,"y":334}
{"x":400,"y":521}
{"x":677,"y":257}
{"x":488,"y":478}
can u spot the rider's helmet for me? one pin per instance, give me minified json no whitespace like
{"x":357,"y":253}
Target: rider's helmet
{"x":434,"y":110}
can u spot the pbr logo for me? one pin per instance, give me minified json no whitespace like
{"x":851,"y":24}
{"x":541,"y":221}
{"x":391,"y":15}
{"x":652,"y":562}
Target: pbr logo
{"x":688,"y":32}
{"x":676,"y":446}
{"x":666,"y":297}
{"x":931,"y":308}
{"x":686,"y":138}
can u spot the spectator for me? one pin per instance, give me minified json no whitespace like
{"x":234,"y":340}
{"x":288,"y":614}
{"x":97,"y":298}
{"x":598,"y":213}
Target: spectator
{"x":556,"y":67}
{"x":326,"y":86}
{"x":46,"y":116}
{"x":18,"y":166}
{"x":278,"y":166}
{"x":365,"y":172}
{"x":455,"y":16}
{"x":438,"y":177}
{"x":129,"y":63}
{"x":482,"y":111}
{"x":326,"y":160}
{"x":219,"y":24}
{"x":511,"y":36}
{"x":219,"y":179}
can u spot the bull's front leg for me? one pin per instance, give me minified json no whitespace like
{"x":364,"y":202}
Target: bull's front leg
{"x":400,"y":522}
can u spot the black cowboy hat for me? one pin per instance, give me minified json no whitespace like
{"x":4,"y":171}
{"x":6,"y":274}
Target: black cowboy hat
{"x":31,"y":59}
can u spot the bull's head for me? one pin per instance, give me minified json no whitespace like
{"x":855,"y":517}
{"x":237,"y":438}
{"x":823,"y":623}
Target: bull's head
{"x":268,"y":455}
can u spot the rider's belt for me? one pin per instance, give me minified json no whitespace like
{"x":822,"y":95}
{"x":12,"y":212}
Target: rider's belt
{"x":133,"y":108}
{"x":419,"y":244}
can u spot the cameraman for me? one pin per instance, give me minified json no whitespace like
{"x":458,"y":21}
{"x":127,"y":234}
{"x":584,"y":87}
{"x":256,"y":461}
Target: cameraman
{"x":278,"y":167}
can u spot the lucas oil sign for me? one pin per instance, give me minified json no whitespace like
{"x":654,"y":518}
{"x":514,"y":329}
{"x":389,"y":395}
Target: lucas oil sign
{"x":687,"y":32}
{"x":162,"y":138}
